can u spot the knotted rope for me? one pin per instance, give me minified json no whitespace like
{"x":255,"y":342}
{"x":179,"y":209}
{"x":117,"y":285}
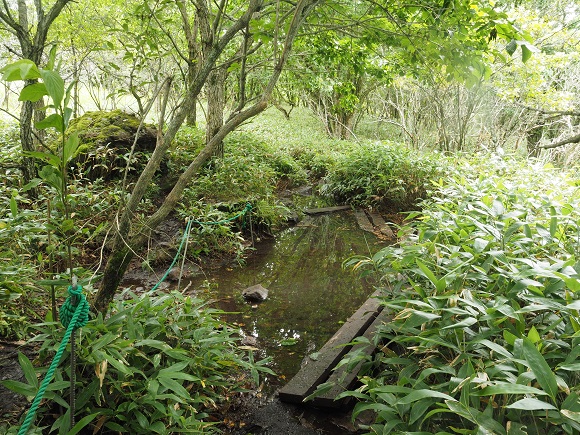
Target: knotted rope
{"x":73,"y":314}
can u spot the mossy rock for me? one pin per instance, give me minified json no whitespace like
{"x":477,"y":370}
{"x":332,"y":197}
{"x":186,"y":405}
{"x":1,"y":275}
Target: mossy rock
{"x":106,"y":139}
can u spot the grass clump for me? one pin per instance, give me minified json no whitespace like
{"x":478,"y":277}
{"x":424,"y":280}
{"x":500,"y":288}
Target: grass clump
{"x":485,"y":295}
{"x":382,"y":175}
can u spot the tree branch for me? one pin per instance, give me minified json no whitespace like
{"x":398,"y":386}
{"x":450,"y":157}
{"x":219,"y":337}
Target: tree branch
{"x":573,"y":139}
{"x":549,"y":112}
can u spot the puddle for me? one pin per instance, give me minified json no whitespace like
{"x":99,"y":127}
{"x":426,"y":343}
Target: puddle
{"x":310,"y":295}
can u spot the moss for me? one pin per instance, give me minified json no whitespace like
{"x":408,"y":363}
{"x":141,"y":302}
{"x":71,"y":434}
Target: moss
{"x":116,"y":128}
{"x":105,"y":137}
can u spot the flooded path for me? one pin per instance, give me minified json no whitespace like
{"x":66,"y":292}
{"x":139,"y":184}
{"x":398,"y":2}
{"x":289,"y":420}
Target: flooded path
{"x":310,"y":294}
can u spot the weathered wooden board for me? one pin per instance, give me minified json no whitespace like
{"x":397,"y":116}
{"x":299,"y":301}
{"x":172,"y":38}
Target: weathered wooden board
{"x":327,"y":209}
{"x":363,"y":221}
{"x":380,"y":223}
{"x":345,"y":378}
{"x":317,"y":371}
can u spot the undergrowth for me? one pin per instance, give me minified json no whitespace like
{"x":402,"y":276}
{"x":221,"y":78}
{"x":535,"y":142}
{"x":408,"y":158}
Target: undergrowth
{"x":484,"y":293}
{"x":157,"y":364}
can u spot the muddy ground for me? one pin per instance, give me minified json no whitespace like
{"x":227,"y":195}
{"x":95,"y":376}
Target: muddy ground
{"x":12,"y":404}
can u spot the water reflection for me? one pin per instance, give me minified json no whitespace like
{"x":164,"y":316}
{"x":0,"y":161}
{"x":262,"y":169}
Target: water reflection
{"x":310,"y":295}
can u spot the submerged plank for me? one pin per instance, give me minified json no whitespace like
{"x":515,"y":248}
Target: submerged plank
{"x":317,"y":371}
{"x":363,"y":221}
{"x":380,"y":223}
{"x":343,"y":378}
{"x":327,"y":209}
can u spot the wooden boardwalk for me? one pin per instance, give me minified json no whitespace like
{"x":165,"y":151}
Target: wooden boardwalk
{"x":363,"y":322}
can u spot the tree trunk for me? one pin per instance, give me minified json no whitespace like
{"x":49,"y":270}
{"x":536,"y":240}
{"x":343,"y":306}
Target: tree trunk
{"x":29,"y":171}
{"x":533,"y":137}
{"x":215,"y":106}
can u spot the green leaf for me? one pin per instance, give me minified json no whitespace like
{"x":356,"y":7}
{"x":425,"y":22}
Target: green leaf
{"x":13,"y":207}
{"x":377,"y":407}
{"x":158,"y":427}
{"x":67,"y":225}
{"x":465,"y":323}
{"x":51,"y":57}
{"x":174,"y":387}
{"x":533,"y":335}
{"x":531,"y":404}
{"x":477,"y":417}
{"x":516,"y":428}
{"x":526,"y":53}
{"x":511,"y":47}
{"x":51,"y":176}
{"x":540,"y":368}
{"x":574,"y":416}
{"x":574,"y":305}
{"x":82,"y":424}
{"x":289,"y":342}
{"x":423,"y":394}
{"x":438,"y":283}
{"x":35,"y":182}
{"x":497,"y":348}
{"x":22,"y":69}
{"x":155,"y":344}
{"x":68,"y":112}
{"x":54,"y":120}
{"x":54,"y":85}
{"x":28,"y":370}
{"x":508,"y":388}
{"x":509,"y":337}
{"x":20,"y":387}
{"x":575,"y":367}
{"x":33,"y":92}
{"x":70,"y":147}
{"x":50,"y":158}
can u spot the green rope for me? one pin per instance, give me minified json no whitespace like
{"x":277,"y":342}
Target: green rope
{"x":71,"y":305}
{"x":78,"y":319}
{"x":247,"y":209}
{"x":185,"y":235}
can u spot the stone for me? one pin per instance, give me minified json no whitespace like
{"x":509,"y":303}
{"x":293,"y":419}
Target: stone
{"x":104,"y":140}
{"x":174,"y":274}
{"x":255,"y":293}
{"x":249,"y":340}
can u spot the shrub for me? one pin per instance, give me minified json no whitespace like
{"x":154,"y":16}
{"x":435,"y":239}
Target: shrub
{"x":158,"y":364}
{"x":485,"y":300}
{"x":384,"y":175}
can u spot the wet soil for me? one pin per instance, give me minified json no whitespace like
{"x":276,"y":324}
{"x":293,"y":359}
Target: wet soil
{"x":12,"y":404}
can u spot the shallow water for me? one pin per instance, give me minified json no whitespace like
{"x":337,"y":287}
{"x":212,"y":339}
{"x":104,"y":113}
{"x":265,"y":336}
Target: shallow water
{"x":310,"y":294}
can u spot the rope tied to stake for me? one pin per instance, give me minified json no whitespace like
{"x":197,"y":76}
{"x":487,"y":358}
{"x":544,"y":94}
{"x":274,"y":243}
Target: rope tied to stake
{"x":75,"y":301}
{"x":75,"y":315}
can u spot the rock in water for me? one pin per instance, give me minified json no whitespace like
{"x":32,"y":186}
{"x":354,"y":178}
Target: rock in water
{"x":256,"y":293}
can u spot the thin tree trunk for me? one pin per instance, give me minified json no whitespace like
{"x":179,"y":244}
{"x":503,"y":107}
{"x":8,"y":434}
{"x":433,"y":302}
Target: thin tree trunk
{"x":215,"y":106}
{"x":125,"y":245}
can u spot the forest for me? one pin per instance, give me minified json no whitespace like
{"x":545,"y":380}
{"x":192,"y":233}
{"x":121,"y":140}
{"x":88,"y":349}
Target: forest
{"x":132,"y":132}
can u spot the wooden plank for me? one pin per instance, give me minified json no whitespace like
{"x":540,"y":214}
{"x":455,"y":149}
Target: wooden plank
{"x":345,"y":378}
{"x":363,"y":221}
{"x":317,"y":371}
{"x":327,"y":209}
{"x":380,"y":223}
